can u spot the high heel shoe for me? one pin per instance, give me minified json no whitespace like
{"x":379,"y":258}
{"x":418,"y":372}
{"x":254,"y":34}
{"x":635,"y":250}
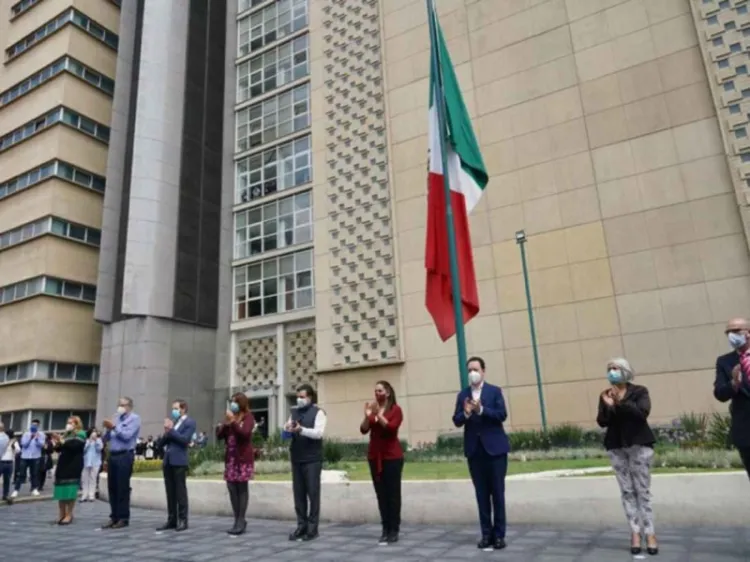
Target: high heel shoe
{"x":635,"y":544}
{"x":652,"y":549}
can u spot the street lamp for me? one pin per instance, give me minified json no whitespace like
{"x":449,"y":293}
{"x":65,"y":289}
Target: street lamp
{"x":521,"y":241}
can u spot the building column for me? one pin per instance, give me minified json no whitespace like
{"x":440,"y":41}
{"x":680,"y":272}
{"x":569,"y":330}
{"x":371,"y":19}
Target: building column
{"x":280,"y":393}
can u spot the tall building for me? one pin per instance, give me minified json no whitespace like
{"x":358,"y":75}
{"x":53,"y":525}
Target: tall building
{"x":615,"y":135}
{"x":56,"y":86}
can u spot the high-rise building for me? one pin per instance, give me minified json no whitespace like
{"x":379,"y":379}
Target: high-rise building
{"x":56,"y":87}
{"x":264,"y":219}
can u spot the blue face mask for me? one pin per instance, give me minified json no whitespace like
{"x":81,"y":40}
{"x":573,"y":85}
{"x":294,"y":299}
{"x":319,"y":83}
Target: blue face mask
{"x":33,"y":429}
{"x":234,"y":407}
{"x":615,"y":377}
{"x":175,"y":414}
{"x":737,"y":340}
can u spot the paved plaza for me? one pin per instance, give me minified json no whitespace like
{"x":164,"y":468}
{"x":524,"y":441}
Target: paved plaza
{"x":266,"y":540}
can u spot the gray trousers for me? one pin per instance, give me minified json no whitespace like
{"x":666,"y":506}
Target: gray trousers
{"x":306,"y":486}
{"x":633,"y":471}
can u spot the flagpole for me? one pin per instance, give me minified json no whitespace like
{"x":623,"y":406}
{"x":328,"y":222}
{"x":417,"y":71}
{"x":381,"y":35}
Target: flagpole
{"x":452,"y":252}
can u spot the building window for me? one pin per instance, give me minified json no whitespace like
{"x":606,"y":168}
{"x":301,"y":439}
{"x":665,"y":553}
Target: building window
{"x":273,"y":118}
{"x":270,"y":24}
{"x":55,"y":168}
{"x":50,"y":225}
{"x":17,"y":420}
{"x":69,"y":64}
{"x":273,"y":69}
{"x":275,"y":285}
{"x":279,"y":224}
{"x":45,"y":370}
{"x":59,"y":115}
{"x":243,"y":5}
{"x":276,"y":169}
{"x":48,"y":286}
{"x":23,"y":6}
{"x":55,"y":420}
{"x":70,"y":16}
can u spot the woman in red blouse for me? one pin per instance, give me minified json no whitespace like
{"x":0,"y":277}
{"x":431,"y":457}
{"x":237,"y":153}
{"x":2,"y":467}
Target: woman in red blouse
{"x":382,"y":420}
{"x":239,"y":459}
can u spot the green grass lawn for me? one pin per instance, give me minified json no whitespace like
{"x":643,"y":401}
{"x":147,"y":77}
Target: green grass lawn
{"x":454,"y":470}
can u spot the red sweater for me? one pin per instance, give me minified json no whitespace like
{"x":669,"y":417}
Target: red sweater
{"x":243,"y":435}
{"x":384,"y":443}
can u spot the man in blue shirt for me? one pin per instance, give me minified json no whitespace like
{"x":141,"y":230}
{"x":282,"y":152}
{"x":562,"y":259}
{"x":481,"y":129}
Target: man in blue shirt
{"x":32,"y":445}
{"x":122,"y":436}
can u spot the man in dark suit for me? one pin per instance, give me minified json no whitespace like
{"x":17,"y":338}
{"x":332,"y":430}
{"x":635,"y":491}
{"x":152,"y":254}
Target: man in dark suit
{"x":178,"y":432}
{"x":480,"y":410}
{"x":732,"y":383}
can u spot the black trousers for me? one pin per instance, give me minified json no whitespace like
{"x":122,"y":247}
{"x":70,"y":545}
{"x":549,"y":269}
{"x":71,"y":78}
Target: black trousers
{"x":175,"y":484}
{"x":306,"y":486}
{"x":388,"y":491}
{"x":119,"y":472}
{"x":745,"y":456}
{"x":488,"y":475}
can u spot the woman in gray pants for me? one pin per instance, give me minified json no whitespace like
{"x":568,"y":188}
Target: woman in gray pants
{"x":623,"y":409}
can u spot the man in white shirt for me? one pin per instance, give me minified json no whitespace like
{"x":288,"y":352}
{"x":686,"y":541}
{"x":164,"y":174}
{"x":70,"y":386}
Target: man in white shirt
{"x":6,"y":460}
{"x":306,"y":427}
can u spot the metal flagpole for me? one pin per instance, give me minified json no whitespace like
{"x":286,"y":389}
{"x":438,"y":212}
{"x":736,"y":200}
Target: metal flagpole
{"x":452,"y":252}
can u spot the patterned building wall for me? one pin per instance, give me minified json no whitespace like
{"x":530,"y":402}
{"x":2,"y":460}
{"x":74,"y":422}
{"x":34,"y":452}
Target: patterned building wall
{"x":724,"y":37}
{"x":361,"y":277}
{"x":256,"y":363}
{"x":300,"y":360}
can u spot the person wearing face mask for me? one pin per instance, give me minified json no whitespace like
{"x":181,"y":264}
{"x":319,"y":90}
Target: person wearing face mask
{"x":239,"y":458}
{"x":32,"y":446}
{"x":480,"y":410}
{"x":121,"y":437}
{"x":732,"y":384}
{"x":385,"y":456}
{"x":306,"y":427}
{"x":92,"y":463}
{"x":6,"y":460}
{"x":623,"y":410}
{"x":178,"y":432}
{"x":69,"y":468}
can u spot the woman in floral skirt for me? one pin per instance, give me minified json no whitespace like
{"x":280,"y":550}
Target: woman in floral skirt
{"x":239,"y":459}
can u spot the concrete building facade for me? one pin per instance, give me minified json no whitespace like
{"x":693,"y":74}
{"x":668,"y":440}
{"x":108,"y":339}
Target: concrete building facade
{"x":613,"y":133}
{"x":56,"y":86}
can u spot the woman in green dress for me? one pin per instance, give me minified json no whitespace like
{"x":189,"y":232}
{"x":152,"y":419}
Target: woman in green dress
{"x":69,"y":468}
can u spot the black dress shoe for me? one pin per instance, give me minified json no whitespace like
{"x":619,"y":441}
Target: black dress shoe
{"x":499,"y":544}
{"x":120,"y":525}
{"x":109,"y":524}
{"x":167,"y":526}
{"x":181,"y":526}
{"x":485,"y":544}
{"x":310,"y":536}
{"x":298,"y":534}
{"x":392,"y":537}
{"x":383,"y":538}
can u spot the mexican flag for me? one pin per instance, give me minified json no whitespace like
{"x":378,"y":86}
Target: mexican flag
{"x":467,"y":177}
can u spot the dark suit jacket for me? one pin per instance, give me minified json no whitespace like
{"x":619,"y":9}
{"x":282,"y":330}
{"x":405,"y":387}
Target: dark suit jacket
{"x":485,"y":428}
{"x":739,"y":407}
{"x":176,"y":443}
{"x":626,"y":421}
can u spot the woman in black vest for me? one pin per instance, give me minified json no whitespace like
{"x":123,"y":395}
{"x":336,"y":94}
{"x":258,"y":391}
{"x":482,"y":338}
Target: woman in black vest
{"x":306,"y":427}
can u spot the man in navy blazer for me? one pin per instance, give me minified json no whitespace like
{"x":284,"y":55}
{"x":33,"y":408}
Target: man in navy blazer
{"x":178,"y":432}
{"x":731,"y":385}
{"x":480,"y":410}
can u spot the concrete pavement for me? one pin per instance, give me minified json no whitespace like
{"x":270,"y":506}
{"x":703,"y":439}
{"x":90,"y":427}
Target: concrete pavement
{"x":27,"y":534}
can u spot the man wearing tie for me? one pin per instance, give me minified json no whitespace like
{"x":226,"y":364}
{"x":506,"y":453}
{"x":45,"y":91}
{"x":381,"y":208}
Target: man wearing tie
{"x":122,"y":436}
{"x":178,"y":432}
{"x":480,"y":410}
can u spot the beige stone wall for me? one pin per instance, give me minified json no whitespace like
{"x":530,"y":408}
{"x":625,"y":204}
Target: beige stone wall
{"x":599,"y":130}
{"x":50,"y":395}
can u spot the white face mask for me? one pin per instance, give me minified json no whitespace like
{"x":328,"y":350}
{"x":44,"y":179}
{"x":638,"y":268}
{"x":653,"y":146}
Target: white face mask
{"x":69,"y":427}
{"x":120,"y":410}
{"x":475,"y":377}
{"x":302,"y":402}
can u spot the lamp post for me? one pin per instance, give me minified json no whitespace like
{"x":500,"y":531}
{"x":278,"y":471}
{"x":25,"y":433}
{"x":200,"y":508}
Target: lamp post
{"x":521,"y":241}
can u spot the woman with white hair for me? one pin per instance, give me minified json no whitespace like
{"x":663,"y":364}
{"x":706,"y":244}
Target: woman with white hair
{"x":623,"y":409}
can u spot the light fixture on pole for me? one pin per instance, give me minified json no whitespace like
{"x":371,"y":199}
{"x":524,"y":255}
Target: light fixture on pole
{"x":521,"y":241}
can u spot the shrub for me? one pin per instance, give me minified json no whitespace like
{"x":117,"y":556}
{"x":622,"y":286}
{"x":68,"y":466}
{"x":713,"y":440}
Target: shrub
{"x":719,"y":431}
{"x":698,"y":458}
{"x":213,"y":468}
{"x":153,"y":465}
